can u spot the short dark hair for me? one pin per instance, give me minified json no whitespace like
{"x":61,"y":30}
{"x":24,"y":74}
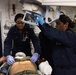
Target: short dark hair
{"x":18,"y":16}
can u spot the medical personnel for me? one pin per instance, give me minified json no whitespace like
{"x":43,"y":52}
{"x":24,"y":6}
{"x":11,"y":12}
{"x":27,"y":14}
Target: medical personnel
{"x":18,"y":40}
{"x":63,"y":44}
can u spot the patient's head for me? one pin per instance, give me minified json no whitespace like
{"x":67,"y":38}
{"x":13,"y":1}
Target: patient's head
{"x":20,"y":55}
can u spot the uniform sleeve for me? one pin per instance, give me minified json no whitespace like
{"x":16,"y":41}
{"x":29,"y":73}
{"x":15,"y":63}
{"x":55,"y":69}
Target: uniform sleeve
{"x":35,"y":41}
{"x":65,"y":38}
{"x":8,"y":43}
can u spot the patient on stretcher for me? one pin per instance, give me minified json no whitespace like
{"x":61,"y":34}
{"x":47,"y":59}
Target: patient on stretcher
{"x":23,"y":66}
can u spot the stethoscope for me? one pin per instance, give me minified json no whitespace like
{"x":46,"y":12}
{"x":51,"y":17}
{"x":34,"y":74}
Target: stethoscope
{"x":24,"y":37}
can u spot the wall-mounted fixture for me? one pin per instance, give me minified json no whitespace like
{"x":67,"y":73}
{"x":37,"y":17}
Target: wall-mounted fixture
{"x":13,"y":8}
{"x":59,"y":2}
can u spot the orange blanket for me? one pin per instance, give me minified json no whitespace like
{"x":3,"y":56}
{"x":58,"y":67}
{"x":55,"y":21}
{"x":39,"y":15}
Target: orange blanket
{"x":21,"y":66}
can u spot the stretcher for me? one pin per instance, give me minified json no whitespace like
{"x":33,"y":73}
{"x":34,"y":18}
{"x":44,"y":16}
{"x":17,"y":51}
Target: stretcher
{"x":23,"y":66}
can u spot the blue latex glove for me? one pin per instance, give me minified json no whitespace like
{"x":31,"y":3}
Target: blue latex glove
{"x":38,"y":19}
{"x":34,"y":57}
{"x":10,"y":60}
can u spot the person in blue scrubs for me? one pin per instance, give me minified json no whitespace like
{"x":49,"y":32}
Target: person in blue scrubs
{"x":63,"y":44}
{"x":18,"y":40}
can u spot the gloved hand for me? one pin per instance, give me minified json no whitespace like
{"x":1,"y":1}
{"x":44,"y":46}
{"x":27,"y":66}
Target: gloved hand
{"x":38,"y":19}
{"x":10,"y":60}
{"x":34,"y":57}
